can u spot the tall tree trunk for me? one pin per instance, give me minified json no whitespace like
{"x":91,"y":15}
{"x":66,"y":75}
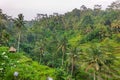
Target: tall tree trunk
{"x":67,"y":68}
{"x":53,"y":59}
{"x":94,"y":76}
{"x":63,"y":55}
{"x":18,"y":47}
{"x":72,"y":69}
{"x":63,"y":51}
{"x":40,"y":58}
{"x":63,"y":58}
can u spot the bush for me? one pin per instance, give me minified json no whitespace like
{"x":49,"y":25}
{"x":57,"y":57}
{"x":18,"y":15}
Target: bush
{"x":27,"y":69}
{"x":60,"y":74}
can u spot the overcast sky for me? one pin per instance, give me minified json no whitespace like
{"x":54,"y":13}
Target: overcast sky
{"x":31,"y":7}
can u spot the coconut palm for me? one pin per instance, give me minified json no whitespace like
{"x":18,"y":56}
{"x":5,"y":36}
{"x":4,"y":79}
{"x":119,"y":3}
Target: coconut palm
{"x":19,"y":23}
{"x":62,"y":46}
{"x":99,"y":61}
{"x":73,"y":56}
{"x":3,"y":28}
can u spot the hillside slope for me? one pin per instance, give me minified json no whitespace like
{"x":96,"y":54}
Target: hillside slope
{"x":18,"y":62}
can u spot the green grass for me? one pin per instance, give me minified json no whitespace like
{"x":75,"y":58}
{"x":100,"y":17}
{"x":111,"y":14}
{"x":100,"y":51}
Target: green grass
{"x":28,"y":69}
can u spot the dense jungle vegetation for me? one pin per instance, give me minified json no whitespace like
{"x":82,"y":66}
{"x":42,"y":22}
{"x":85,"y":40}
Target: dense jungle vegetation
{"x":83,"y":44}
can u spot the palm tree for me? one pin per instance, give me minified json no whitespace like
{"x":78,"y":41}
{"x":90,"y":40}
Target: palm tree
{"x":19,"y":23}
{"x":72,"y":57}
{"x":3,"y":28}
{"x":93,"y":60}
{"x":62,"y":46}
{"x":98,"y":60}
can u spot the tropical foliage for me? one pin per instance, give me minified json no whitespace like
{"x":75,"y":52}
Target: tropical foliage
{"x":83,"y":44}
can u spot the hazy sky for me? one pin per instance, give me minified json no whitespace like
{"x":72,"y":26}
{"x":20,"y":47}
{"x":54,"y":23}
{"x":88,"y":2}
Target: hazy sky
{"x":31,"y":7}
